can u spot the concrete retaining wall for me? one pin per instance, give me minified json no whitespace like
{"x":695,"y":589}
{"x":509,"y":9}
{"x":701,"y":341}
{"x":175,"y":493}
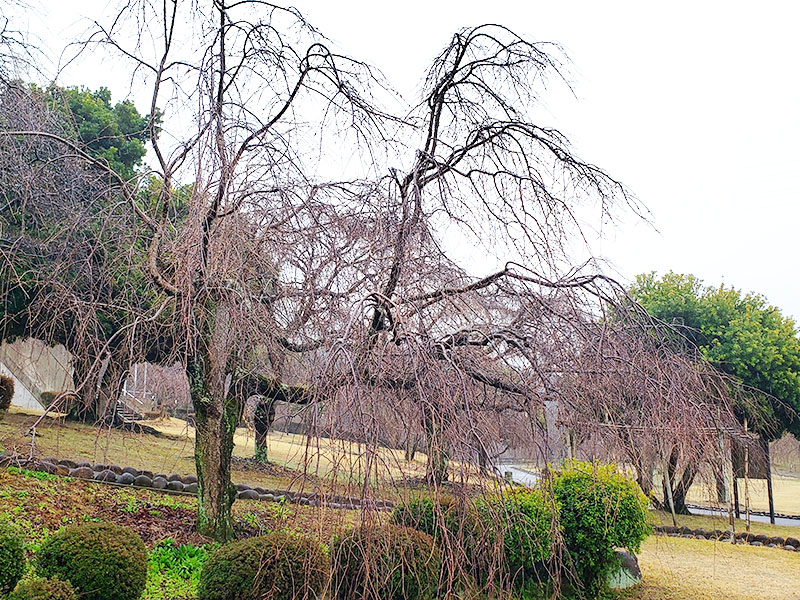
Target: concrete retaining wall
{"x":36,"y":368}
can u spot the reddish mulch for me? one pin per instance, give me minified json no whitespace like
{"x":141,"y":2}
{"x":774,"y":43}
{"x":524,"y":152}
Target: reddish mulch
{"x":156,"y":523}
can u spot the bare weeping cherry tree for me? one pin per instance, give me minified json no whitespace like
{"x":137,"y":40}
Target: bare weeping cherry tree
{"x":239,"y":259}
{"x":201,"y":264}
{"x":482,"y":172}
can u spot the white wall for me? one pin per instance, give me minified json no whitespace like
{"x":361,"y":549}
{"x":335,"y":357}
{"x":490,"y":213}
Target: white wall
{"x":36,"y":368}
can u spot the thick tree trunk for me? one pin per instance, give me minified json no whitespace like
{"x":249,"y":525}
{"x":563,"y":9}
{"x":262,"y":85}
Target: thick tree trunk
{"x":216,"y":422}
{"x":644,"y":476}
{"x":722,"y":491}
{"x":218,"y":410}
{"x":99,"y":382}
{"x":263,"y":418}
{"x":680,"y":488}
{"x":411,"y":447}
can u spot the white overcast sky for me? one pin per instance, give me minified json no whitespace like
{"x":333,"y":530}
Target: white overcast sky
{"x":694,"y":105}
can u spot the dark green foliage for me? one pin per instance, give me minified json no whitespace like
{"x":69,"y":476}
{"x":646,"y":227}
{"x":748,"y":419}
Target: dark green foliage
{"x":599,"y":510}
{"x":102,"y":561}
{"x":114,"y":134}
{"x":593,"y":508}
{"x":12,"y":556}
{"x":76,"y":242}
{"x":6,"y":392}
{"x":277,"y":566}
{"x":387,"y":562}
{"x":741,"y":335}
{"x":517,"y":525}
{"x":43,"y":589}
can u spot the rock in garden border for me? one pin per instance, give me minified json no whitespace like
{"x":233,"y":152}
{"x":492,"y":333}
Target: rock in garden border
{"x":180,"y":484}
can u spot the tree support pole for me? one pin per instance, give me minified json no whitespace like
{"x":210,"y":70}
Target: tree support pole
{"x":746,"y":479}
{"x":769,"y":483}
{"x":725,"y":467}
{"x":668,"y":486}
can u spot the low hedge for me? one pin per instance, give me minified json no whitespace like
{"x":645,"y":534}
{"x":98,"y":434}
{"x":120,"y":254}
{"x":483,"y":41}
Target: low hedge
{"x":456,"y":526}
{"x":591,"y":508}
{"x":102,"y":561}
{"x":431,"y":516}
{"x":277,"y":566}
{"x":43,"y":589}
{"x":385,"y":562}
{"x":454,"y":519}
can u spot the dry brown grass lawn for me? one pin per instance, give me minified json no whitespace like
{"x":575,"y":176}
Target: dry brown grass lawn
{"x":689,"y":569}
{"x":786,"y":490}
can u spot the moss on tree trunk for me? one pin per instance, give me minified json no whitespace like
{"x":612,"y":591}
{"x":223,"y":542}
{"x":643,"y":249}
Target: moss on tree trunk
{"x":215,"y":425}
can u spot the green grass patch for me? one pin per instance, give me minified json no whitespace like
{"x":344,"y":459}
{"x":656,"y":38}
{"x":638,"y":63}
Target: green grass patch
{"x":173,"y":571}
{"x":40,"y":475}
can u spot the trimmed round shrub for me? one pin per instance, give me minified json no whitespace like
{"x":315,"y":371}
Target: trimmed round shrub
{"x":12,"y":556}
{"x":387,"y":562}
{"x":526,"y":518}
{"x":43,"y":589}
{"x":277,"y":566}
{"x":6,"y":392}
{"x":457,"y":529}
{"x":425,"y":514}
{"x":600,"y":510}
{"x":419,"y":513}
{"x":102,"y":561}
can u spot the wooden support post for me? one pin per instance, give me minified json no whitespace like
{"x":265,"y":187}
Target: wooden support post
{"x":668,"y":487}
{"x":769,"y":483}
{"x":746,"y":478}
{"x":725,"y":467}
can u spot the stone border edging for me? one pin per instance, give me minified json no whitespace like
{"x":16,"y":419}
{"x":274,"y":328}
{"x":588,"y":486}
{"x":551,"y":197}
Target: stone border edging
{"x":175,"y":484}
{"x":180,"y":485}
{"x":790,"y":543}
